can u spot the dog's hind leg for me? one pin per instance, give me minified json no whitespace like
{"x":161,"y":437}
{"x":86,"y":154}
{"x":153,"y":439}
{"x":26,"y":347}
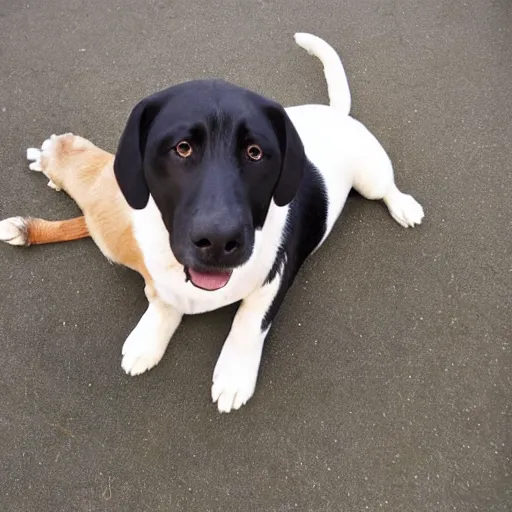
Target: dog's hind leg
{"x":374,"y":179}
{"x":29,"y":231}
{"x":70,"y":163}
{"x":85,"y":172}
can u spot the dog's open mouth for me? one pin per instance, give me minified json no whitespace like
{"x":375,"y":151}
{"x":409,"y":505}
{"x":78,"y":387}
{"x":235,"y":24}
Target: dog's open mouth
{"x":209,"y":281}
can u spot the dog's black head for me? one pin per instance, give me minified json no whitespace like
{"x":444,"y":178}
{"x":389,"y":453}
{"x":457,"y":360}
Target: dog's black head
{"x":212,"y":155}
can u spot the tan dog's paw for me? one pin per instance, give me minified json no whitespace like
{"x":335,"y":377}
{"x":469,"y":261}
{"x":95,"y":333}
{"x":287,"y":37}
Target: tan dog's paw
{"x":41,"y":157}
{"x":13,"y":231}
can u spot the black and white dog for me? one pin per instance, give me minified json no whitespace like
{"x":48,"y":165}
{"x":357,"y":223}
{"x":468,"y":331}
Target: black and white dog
{"x":229,"y":193}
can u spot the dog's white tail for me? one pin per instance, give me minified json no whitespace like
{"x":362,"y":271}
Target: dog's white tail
{"x":337,"y":83}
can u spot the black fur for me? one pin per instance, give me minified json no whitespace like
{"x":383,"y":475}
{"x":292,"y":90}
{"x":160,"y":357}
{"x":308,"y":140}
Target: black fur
{"x":305,"y":227}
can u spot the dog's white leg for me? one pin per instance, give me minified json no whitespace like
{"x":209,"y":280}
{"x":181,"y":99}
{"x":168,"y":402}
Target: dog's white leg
{"x":374,"y":179}
{"x":236,"y":371}
{"x":146,"y":344}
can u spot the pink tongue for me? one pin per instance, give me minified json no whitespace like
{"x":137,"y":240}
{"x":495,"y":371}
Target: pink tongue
{"x":209,"y":280}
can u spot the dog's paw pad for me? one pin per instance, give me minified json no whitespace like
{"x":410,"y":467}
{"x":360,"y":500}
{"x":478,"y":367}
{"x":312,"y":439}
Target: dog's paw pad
{"x":234,"y":378}
{"x":13,"y":231}
{"x":404,"y":209}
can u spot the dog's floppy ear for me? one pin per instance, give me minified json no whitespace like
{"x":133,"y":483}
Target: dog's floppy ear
{"x":293,"y":157}
{"x":129,"y":159}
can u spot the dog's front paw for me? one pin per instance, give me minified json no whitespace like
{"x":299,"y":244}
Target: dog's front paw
{"x":141,"y":352}
{"x":235,"y":375}
{"x":146,"y":344}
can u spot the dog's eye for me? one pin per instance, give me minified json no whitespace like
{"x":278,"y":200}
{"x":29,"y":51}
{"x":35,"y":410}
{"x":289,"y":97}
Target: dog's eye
{"x":184,"y":149}
{"x":254,"y":152}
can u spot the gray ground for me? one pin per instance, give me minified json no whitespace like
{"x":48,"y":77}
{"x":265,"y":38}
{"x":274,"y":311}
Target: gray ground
{"x":385,"y":383}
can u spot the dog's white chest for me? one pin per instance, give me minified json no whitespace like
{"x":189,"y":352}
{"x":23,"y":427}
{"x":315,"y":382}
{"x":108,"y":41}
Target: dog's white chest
{"x":169,"y":276}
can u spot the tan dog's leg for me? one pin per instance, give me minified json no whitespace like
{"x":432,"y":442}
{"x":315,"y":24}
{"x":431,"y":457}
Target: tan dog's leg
{"x":73,"y":164}
{"x":28,"y":231}
{"x":58,"y":157}
{"x":85,"y":172}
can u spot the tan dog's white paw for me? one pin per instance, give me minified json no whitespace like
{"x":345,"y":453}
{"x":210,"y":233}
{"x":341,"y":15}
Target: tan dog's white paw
{"x":35,"y":156}
{"x":13,"y":231}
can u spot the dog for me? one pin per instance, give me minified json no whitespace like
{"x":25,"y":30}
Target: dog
{"x":216,"y":195}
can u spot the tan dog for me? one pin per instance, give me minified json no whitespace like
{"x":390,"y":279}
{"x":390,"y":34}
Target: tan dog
{"x":85,"y":172}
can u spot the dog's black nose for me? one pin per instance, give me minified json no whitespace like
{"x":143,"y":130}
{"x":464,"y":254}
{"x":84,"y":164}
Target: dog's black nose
{"x":219,"y":245}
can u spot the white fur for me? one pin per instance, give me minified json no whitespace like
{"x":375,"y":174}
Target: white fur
{"x":403,"y":208}
{"x":335,"y":76}
{"x":146,"y":344}
{"x":347,"y":155}
{"x":35,"y":154}
{"x":169,"y":276}
{"x":236,"y":371}
{"x":13,"y":231}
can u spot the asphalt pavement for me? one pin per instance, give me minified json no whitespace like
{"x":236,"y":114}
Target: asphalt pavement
{"x":386,"y":380}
